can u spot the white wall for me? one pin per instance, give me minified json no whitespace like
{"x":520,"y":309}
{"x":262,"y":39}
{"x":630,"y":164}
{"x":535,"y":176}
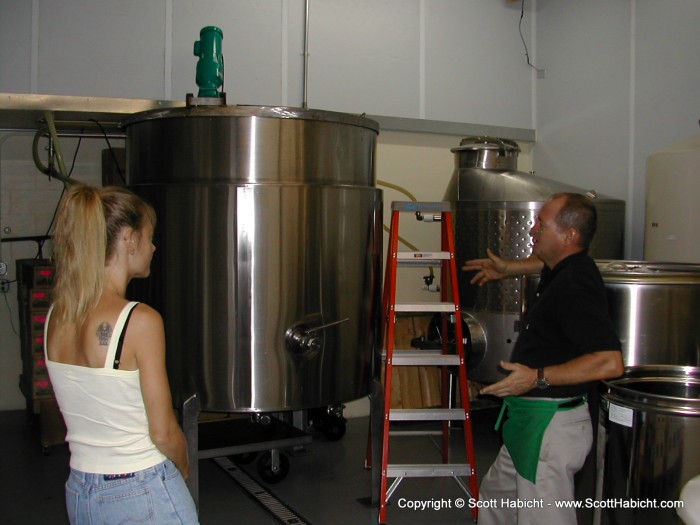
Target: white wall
{"x":621,"y":83}
{"x":451,"y":60}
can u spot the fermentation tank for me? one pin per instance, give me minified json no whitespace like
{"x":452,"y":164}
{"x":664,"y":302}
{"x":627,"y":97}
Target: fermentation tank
{"x":268,"y":261}
{"x":647,"y":444}
{"x":496,"y":206}
{"x":654,"y":308}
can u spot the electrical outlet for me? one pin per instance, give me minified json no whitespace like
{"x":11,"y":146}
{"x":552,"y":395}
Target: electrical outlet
{"x":4,"y":286}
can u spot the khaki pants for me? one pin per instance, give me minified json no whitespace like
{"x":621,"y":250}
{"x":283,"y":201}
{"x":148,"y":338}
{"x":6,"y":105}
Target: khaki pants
{"x":508,"y":499}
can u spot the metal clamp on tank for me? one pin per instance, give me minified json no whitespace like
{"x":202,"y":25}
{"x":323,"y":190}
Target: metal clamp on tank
{"x":304,"y":341}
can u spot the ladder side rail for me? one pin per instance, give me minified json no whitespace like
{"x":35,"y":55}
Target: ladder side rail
{"x":463,"y":379}
{"x":387,"y":269}
{"x":390,"y":325}
{"x":445,"y":288}
{"x":383,"y":325}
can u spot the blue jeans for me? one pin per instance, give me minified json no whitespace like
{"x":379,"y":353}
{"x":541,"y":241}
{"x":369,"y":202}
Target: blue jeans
{"x":156,"y":495}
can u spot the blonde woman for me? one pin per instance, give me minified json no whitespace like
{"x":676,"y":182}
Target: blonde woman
{"x":106,"y":360}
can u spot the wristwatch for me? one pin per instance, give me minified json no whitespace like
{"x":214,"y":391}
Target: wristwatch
{"x":541,"y":382}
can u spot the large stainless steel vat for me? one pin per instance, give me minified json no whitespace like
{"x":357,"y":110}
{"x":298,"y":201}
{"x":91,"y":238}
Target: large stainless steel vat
{"x":655,"y":308}
{"x":647,"y":444}
{"x":268,"y":262}
{"x":496,"y":206}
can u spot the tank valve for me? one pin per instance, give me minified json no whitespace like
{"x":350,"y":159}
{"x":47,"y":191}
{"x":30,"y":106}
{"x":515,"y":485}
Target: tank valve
{"x":303,"y":340}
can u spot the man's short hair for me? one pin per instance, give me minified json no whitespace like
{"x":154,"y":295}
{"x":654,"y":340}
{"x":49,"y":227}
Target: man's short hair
{"x":578,"y":212}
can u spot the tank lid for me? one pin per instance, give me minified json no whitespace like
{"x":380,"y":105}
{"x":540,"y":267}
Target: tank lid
{"x":649,"y":272}
{"x":488,"y":143}
{"x":280,"y":112}
{"x":665,"y":388}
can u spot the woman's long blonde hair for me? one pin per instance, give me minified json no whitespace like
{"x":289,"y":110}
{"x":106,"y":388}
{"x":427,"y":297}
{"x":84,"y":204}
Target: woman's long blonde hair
{"x":88,"y":222}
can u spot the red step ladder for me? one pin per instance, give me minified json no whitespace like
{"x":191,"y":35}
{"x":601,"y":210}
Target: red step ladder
{"x":448,"y":306}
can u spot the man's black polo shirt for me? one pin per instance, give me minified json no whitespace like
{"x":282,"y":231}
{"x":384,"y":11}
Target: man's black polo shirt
{"x":568,"y":318}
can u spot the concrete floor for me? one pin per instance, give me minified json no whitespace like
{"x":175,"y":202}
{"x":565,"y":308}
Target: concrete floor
{"x":327,"y":482}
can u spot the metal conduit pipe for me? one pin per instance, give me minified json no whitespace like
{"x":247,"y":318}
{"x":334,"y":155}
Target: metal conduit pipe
{"x":62,"y":174}
{"x":304,"y":103}
{"x":46,"y":170}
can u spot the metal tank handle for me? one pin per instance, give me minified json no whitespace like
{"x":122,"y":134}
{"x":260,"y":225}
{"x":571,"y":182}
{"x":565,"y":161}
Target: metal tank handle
{"x":300,"y":339}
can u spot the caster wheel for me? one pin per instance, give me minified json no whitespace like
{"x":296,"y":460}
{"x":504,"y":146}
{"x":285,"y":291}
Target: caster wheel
{"x":334,"y":429}
{"x":245,"y":458}
{"x":268,"y":474}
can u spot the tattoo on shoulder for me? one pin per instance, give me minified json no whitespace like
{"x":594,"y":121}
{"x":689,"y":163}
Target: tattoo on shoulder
{"x":104,"y":333}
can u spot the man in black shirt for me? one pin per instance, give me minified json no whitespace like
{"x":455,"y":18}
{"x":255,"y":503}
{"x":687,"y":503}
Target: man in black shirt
{"x":568,"y":341}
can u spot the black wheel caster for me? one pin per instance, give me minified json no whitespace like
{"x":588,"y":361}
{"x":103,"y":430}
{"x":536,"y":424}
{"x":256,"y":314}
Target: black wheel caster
{"x":270,"y":475}
{"x":329,"y":421}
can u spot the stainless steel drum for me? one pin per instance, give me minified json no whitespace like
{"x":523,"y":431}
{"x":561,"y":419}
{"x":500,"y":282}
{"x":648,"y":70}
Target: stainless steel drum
{"x":647,"y":444}
{"x":268,"y":262}
{"x":655,"y":308}
{"x":496,"y":206}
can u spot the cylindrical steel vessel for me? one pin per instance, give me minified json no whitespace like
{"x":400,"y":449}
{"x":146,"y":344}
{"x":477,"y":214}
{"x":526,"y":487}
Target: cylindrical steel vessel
{"x":647,"y":444}
{"x":268,"y":261}
{"x":655,"y":308}
{"x":496,"y":206}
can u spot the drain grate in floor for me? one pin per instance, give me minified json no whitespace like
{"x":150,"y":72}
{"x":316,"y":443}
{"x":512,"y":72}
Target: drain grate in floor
{"x":270,"y":503}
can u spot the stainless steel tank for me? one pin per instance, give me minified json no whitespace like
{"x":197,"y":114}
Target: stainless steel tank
{"x":655,"y":308}
{"x":495,"y":207}
{"x":268,"y":262}
{"x":649,"y":422}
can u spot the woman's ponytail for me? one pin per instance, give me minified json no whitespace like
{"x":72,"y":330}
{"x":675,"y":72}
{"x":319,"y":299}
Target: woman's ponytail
{"x":79,"y":247}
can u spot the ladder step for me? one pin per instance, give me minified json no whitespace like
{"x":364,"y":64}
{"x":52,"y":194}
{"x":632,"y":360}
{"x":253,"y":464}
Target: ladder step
{"x":415,"y":433}
{"x":422,"y":258}
{"x":422,"y":358}
{"x":436,"y":207}
{"x":424,"y":307}
{"x":427,"y":414}
{"x":428,"y":470}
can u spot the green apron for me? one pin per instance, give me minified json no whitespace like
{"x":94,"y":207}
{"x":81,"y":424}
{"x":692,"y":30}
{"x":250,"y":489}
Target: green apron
{"x":524,"y":429}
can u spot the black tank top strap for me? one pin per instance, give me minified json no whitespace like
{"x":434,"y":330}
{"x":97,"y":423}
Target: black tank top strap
{"x":120,"y":344}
